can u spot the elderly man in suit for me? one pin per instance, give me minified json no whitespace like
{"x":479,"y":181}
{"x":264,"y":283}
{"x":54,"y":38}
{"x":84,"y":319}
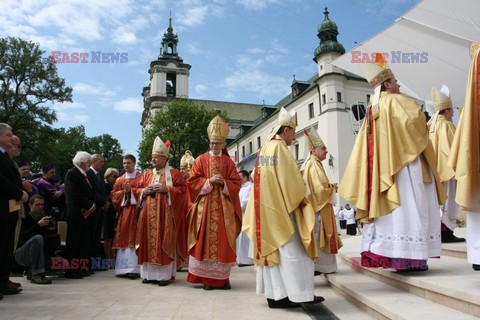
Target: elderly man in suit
{"x":11,"y":194}
{"x":80,"y":205}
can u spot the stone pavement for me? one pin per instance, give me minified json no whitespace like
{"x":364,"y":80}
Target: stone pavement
{"x":103,"y":296}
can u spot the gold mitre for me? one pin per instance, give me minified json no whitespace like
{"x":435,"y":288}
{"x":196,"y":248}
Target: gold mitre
{"x":161,"y":148}
{"x":286,"y":118}
{"x":474,"y":48}
{"x":187,"y":160}
{"x":377,"y":72}
{"x":314,"y":139}
{"x":218,"y":130}
{"x":441,"y":99}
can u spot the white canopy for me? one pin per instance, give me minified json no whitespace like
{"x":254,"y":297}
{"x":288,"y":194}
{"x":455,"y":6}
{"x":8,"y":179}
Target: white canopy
{"x":442,"y":31}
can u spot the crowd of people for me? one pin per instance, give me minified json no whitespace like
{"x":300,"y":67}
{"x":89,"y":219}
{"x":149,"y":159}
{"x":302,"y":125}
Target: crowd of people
{"x":208,"y":217}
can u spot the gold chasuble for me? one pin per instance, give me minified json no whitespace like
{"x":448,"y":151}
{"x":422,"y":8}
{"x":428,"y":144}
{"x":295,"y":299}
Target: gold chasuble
{"x":465,"y":152}
{"x":278,"y":191}
{"x":321,"y":192}
{"x":442,"y":138}
{"x":391,"y":137}
{"x":156,"y":230}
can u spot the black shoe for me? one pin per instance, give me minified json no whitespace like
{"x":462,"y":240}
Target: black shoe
{"x":316,"y":299}
{"x":226,"y":287}
{"x":476,"y":267}
{"x":84,"y":273}
{"x":1,"y":296}
{"x":284,"y":303}
{"x":425,"y":268}
{"x":145,"y":281}
{"x":208,"y":288}
{"x":317,"y":273}
{"x":73,"y":275}
{"x":9,"y":291}
{"x":133,"y":276}
{"x":245,"y":265}
{"x":163,"y":283}
{"x":449,"y":237}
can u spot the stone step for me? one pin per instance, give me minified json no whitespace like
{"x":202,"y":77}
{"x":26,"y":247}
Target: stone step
{"x":456,"y":250}
{"x":383,"y":301}
{"x":450,"y":281}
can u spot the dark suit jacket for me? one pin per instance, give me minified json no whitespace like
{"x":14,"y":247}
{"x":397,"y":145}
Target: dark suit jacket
{"x":98,"y":187}
{"x":10,"y":187}
{"x":80,"y":195}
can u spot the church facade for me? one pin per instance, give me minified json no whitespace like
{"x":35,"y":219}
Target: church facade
{"x":332,"y":101}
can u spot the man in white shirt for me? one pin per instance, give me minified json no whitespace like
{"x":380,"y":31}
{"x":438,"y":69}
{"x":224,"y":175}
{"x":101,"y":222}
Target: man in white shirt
{"x":242,"y":240}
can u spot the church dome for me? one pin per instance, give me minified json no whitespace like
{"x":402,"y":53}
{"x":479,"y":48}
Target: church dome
{"x":327,"y":32}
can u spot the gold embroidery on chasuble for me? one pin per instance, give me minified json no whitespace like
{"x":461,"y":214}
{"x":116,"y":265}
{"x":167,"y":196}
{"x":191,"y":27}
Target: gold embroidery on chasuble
{"x":213,"y":209}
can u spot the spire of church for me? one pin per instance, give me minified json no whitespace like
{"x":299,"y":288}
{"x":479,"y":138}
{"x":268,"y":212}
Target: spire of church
{"x":169,"y":43}
{"x":327,"y":33}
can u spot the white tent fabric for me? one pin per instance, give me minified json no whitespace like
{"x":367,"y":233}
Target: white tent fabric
{"x":442,"y":31}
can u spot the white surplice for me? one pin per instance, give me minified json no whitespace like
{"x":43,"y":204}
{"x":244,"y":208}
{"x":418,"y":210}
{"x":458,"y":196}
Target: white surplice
{"x":293,"y":277}
{"x":151,"y":271}
{"x":449,"y":210}
{"x":326,"y":262}
{"x":473,"y":237}
{"x":126,"y":262}
{"x":243,"y":241}
{"x":412,"y":230}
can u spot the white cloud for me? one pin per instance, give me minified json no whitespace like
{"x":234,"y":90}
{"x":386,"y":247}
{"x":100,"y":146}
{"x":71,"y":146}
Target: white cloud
{"x":78,"y":118}
{"x":193,"y":16}
{"x":129,"y":105}
{"x":192,"y":48}
{"x":256,"y":5}
{"x":99,"y":89}
{"x":68,"y":106}
{"x":255,"y":51}
{"x":200,"y":90}
{"x":122,"y":36}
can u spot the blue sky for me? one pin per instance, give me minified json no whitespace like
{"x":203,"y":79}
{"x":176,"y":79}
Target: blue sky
{"x":239,"y":50}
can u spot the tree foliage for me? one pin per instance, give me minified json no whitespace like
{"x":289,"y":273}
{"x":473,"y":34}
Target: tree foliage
{"x":185,"y":124}
{"x":29,"y":83}
{"x":28,"y":80}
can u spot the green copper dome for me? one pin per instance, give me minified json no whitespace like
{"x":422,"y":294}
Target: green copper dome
{"x":327,"y":33}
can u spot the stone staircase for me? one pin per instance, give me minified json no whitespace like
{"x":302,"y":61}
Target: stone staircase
{"x":450,"y":289}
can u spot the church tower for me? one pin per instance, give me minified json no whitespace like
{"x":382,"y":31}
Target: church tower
{"x":168,"y":77}
{"x":335,"y":97}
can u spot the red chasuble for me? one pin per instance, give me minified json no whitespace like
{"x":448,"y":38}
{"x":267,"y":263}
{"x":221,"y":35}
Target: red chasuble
{"x":125,"y":234}
{"x":214,"y":218}
{"x":156,"y":234}
{"x":182,"y":230}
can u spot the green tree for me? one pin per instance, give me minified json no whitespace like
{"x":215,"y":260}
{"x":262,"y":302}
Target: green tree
{"x":109,"y":147}
{"x":28,"y":83}
{"x":185,"y":124}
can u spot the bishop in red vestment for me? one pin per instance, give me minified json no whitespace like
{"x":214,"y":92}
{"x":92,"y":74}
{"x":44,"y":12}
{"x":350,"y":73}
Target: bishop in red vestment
{"x":163,"y":201}
{"x":215,"y":216}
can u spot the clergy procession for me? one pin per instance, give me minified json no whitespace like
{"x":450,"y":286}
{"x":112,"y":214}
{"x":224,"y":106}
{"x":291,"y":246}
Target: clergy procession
{"x":407,"y":178}
{"x":401,"y":191}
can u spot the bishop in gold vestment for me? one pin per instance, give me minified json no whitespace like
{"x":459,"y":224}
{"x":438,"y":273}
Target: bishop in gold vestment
{"x":392,"y":180}
{"x":280,"y":222}
{"x":322,"y":195}
{"x":441,"y":134}
{"x":465,"y":158}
